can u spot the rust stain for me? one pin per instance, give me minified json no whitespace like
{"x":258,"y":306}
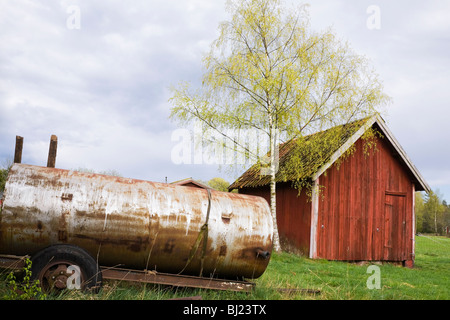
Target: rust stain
{"x":134,"y":222}
{"x":62,"y":229}
{"x":67,"y":196}
{"x":168,"y":247}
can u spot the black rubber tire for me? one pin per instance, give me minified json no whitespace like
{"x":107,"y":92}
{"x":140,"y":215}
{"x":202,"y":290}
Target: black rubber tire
{"x":67,"y":255}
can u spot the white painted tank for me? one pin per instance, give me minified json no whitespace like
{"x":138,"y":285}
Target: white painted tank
{"x":136,"y":224}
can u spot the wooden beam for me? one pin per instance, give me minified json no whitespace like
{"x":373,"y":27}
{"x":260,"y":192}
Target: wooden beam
{"x":18,"y":150}
{"x":314,"y":220}
{"x":52,"y":152}
{"x":176,"y":280}
{"x":12,"y":262}
{"x":413,"y":227}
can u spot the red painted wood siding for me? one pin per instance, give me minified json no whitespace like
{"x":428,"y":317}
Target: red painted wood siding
{"x":365,"y":208}
{"x":293,"y":215}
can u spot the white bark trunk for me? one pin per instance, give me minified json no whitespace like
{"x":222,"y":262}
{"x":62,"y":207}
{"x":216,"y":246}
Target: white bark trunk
{"x":273,"y":198}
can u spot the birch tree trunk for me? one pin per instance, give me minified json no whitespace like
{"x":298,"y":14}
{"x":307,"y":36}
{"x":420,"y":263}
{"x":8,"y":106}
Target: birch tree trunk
{"x":273,"y":195}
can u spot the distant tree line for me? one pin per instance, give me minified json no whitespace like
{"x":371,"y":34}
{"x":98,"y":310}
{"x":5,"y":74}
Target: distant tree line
{"x":217,"y":183}
{"x":111,"y":172}
{"x":4,"y":170}
{"x":432,"y":213}
{"x":3,"y":176}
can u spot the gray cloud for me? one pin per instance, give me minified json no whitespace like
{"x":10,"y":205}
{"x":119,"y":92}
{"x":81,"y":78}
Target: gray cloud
{"x":103,"y":88}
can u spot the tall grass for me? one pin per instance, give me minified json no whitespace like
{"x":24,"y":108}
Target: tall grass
{"x":291,"y":277}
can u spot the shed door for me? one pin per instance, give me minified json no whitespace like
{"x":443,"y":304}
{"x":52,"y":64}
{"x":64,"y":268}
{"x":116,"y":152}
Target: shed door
{"x":394,"y":231}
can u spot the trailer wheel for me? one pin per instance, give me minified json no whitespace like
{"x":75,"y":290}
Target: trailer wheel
{"x":62,"y":266}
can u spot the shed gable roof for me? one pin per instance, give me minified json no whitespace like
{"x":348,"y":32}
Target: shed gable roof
{"x":353,"y":131}
{"x":191,"y":182}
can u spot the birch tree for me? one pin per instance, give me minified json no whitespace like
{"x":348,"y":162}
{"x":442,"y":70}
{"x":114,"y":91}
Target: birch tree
{"x":268,"y":71}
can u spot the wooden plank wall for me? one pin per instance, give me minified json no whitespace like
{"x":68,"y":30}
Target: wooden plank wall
{"x":293,"y":216}
{"x":365,"y":208}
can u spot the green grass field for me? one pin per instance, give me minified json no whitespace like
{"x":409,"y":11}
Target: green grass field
{"x":308,"y":279}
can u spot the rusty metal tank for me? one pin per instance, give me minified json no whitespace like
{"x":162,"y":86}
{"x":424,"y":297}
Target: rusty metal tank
{"x":136,"y":224}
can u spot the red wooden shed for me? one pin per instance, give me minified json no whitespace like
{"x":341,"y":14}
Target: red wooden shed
{"x":364,"y":210}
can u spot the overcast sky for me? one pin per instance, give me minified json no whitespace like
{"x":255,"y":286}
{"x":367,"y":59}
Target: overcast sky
{"x":97,"y":74}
